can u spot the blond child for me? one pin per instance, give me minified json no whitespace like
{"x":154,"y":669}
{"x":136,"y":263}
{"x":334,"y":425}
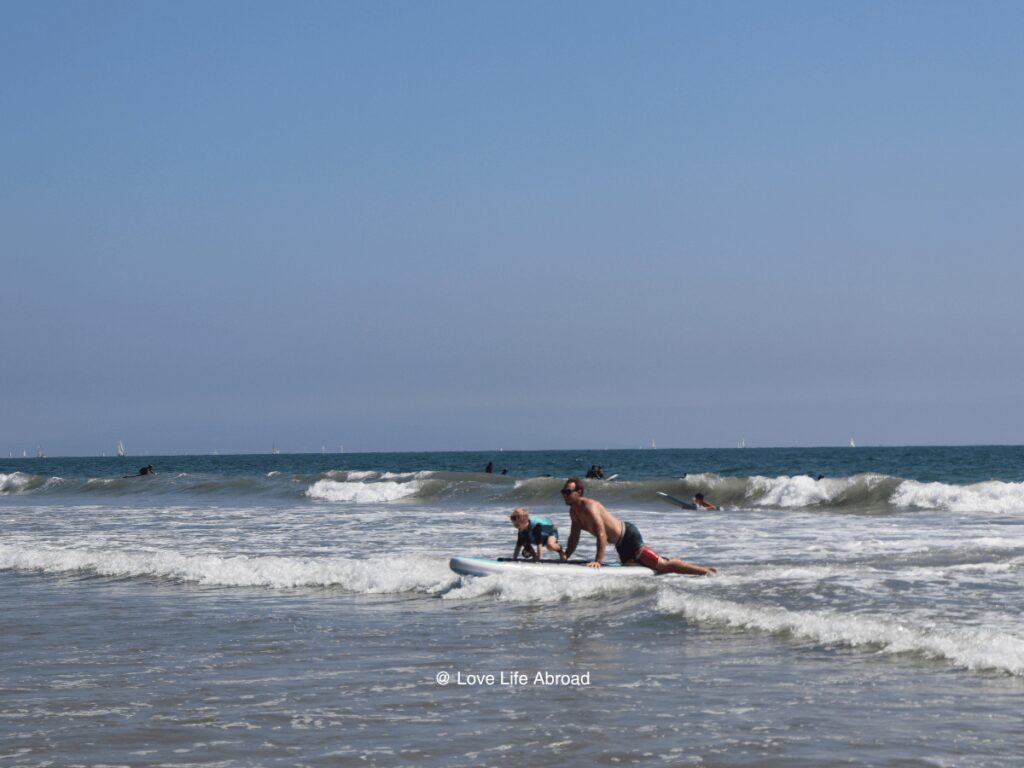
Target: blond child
{"x":535,"y":533}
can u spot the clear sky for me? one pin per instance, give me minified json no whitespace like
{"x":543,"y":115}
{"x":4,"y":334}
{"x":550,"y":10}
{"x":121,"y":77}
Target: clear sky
{"x":482,"y":225}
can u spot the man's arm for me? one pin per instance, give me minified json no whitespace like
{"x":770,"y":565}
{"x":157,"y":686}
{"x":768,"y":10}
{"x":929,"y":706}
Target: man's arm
{"x":574,"y":539}
{"x":602,"y":544}
{"x":597,"y":524}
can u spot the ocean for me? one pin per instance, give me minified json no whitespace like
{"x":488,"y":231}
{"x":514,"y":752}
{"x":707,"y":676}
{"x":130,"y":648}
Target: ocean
{"x":298,"y":610}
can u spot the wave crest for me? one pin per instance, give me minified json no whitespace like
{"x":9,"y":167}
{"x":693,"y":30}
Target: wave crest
{"x":382,"y":491}
{"x":966,"y":647}
{"x":407,"y":573}
{"x":994,"y":497}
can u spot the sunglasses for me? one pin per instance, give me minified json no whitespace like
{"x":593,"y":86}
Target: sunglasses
{"x":569,"y":491}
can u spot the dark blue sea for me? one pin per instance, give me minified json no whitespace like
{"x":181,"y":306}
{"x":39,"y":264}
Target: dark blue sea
{"x":299,"y":610}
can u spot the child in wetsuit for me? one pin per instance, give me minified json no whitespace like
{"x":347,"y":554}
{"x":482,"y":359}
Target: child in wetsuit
{"x":534,"y":535}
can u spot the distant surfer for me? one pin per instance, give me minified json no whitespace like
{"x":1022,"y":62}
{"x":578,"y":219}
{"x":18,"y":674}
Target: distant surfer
{"x":700,"y":501}
{"x":489,"y":469}
{"x":591,"y":516}
{"x":535,"y":533}
{"x":146,"y":470}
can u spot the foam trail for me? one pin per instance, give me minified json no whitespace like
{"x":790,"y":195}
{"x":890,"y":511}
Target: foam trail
{"x":408,"y":573}
{"x":548,"y":588}
{"x":967,"y":647}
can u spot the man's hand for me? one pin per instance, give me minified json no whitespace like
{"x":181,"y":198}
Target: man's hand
{"x":594,"y":564}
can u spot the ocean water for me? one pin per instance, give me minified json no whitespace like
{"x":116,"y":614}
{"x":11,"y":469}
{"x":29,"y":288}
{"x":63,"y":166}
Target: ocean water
{"x":299,"y":610}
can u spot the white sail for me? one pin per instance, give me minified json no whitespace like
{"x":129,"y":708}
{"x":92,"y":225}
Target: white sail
{"x":120,"y":448}
{"x":852,"y":444}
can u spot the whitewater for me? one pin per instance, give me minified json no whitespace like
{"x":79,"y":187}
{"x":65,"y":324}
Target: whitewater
{"x":299,"y":610}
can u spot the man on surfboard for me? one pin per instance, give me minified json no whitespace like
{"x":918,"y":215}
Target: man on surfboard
{"x":591,"y":516}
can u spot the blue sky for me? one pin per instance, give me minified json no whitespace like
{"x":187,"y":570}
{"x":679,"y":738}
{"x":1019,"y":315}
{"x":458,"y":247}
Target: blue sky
{"x":466,"y":225}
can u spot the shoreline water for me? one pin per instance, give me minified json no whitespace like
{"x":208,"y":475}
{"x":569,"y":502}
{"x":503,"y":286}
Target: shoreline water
{"x":235,"y":611}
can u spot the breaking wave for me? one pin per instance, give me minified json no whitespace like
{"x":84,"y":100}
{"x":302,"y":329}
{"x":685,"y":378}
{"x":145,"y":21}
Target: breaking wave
{"x":383,"y":491}
{"x":391,"y":575}
{"x":993,"y":497}
{"x":971,"y":648}
{"x":868,"y":493}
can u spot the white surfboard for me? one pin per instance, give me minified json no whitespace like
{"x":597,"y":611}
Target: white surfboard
{"x":677,"y":502}
{"x":484,"y":566}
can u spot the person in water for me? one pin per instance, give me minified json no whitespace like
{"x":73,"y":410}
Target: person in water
{"x":535,"y":533}
{"x":591,"y":516}
{"x":489,"y":469}
{"x":700,"y":501}
{"x":146,"y":470}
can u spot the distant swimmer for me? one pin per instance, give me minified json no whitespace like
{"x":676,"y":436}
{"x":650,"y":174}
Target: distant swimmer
{"x":591,"y":516}
{"x":592,"y":472}
{"x":146,"y":470}
{"x":504,"y":470}
{"x":700,"y":501}
{"x":489,"y":469}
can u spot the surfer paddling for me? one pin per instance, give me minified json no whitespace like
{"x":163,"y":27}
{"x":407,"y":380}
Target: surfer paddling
{"x":700,"y":501}
{"x":591,"y":516}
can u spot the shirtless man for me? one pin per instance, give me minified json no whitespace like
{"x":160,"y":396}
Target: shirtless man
{"x":591,"y":516}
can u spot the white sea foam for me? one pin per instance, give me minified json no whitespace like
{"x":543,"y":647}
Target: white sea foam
{"x":355,"y":475}
{"x":406,"y":476}
{"x":994,"y":497}
{"x":406,"y":573}
{"x":801,"y":491}
{"x":788,"y":492}
{"x":16,"y":482}
{"x":548,"y":588}
{"x":966,"y":647}
{"x":363,"y":493}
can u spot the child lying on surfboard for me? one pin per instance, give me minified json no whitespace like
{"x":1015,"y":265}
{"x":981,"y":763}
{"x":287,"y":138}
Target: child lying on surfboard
{"x":534,"y":535}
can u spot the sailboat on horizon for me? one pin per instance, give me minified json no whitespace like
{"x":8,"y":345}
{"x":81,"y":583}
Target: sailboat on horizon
{"x":852,"y":444}
{"x":120,"y":448}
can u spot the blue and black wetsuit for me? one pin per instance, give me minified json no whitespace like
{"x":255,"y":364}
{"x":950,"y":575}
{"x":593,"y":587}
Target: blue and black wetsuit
{"x":538,"y":532}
